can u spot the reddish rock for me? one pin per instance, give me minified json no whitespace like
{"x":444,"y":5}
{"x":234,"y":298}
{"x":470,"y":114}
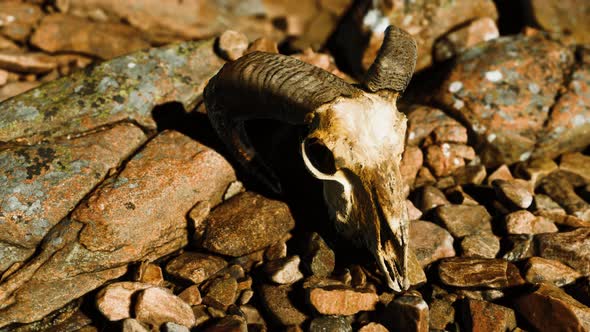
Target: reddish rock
{"x":284,"y":270}
{"x":156,"y":306}
{"x":462,"y":220}
{"x":460,"y":40}
{"x":341,"y":300}
{"x":263,"y":44}
{"x":361,"y":34}
{"x":87,"y":100}
{"x":330,"y":323}
{"x":444,"y":159}
{"x":548,"y":308}
{"x":246,"y":223}
{"x":191,"y":295}
{"x":322,"y":60}
{"x":430,"y":197}
{"x":481,"y":90}
{"x":484,"y":245}
{"x":441,"y":313}
{"x":133,"y":325}
{"x":482,"y":316}
{"x":373,"y":327}
{"x":278,"y":301}
{"x":571,"y":248}
{"x":536,"y":169}
{"x":26,"y":62}
{"x":196,"y":267}
{"x":18,"y":19}
{"x":543,"y":204}
{"x":567,"y":18}
{"x":430,"y":242}
{"x":457,"y":195}
{"x":64,"y":33}
{"x":479,"y":272}
{"x":232,"y":44}
{"x":413,"y":212}
{"x":114,"y":301}
{"x":519,"y":247}
{"x":524,"y":222}
{"x":318,"y":257}
{"x":221,"y":292}
{"x":576,"y":163}
{"x":470,"y":175}
{"x":32,"y":203}
{"x":412,"y":159}
{"x":423,"y":120}
{"x":137,"y":215}
{"x":407,"y":313}
{"x":560,"y":189}
{"x":514,"y":192}
{"x":501,"y":173}
{"x":424,"y":177}
{"x":539,"y":269}
{"x":232,"y":323}
{"x":149,"y":273}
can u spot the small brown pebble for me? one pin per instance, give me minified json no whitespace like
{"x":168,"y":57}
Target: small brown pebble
{"x":576,"y":163}
{"x":133,"y":325}
{"x":441,"y":313}
{"x":246,"y":296}
{"x":276,"y":251}
{"x":520,"y":247}
{"x":514,"y":191}
{"x":263,"y":45}
{"x":456,"y":195}
{"x":524,"y":222}
{"x":424,"y":177}
{"x":157,"y":306}
{"x":330,"y":324}
{"x":536,"y":169}
{"x":284,"y":270}
{"x":373,"y":327}
{"x":470,"y":175}
{"x":341,"y":300}
{"x":445,"y":158}
{"x":191,"y":295}
{"x":318,"y":258}
{"x":484,"y":245}
{"x":413,"y":212}
{"x":412,"y":159}
{"x":546,"y":204}
{"x":501,"y":173}
{"x":463,"y":220}
{"x":407,"y":313}
{"x":229,"y":323}
{"x":232,"y":44}
{"x":430,"y":197}
{"x":149,"y":273}
{"x":571,"y":248}
{"x":196,"y":267}
{"x":430,"y":242}
{"x":548,"y":308}
{"x":114,"y":301}
{"x":278,"y":300}
{"x":539,"y":269}
{"x":36,"y":63}
{"x":486,"y":316}
{"x":220,"y":293}
{"x":478,"y":272}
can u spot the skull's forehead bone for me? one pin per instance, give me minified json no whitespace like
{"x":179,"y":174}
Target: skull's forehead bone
{"x":361,"y":132}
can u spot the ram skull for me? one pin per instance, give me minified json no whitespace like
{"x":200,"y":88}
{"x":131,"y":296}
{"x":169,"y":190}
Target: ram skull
{"x":356,"y":137}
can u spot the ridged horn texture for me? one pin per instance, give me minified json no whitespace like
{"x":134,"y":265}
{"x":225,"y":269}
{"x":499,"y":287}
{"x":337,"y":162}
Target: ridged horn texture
{"x":267,"y":86}
{"x":395,"y":62}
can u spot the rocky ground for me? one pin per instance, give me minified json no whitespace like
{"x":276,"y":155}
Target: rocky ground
{"x":119,"y":209}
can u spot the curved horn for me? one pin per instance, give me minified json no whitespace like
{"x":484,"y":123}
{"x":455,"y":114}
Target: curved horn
{"x":395,"y":62}
{"x":267,"y":86}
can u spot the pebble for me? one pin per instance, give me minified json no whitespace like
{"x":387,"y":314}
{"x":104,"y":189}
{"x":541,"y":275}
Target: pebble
{"x":539,"y":269}
{"x":284,"y":270}
{"x":149,"y":273}
{"x":36,"y":63}
{"x":514,"y":191}
{"x":576,"y":163}
{"x":463,"y":220}
{"x":263,"y":44}
{"x":221,"y":292}
{"x":276,"y":251}
{"x":441,"y":313}
{"x":524,"y":222}
{"x":156,"y":306}
{"x":196,"y":267}
{"x":133,"y":325}
{"x":571,"y":248}
{"x":548,"y":308}
{"x":483,"y":245}
{"x":278,"y":300}
{"x":173,"y":327}
{"x":114,"y":301}
{"x":501,"y":173}
{"x":430,"y":197}
{"x":487,"y":316}
{"x":373,"y":327}
{"x":430,"y":242}
{"x":330,"y":324}
{"x":318,"y":258}
{"x":246,"y":223}
{"x":478,"y":272}
{"x":475,"y":174}
{"x":345,"y":301}
{"x":520,"y":247}
{"x":191,"y":295}
{"x":231,"y":323}
{"x":232,"y":44}
{"x":407,"y":313}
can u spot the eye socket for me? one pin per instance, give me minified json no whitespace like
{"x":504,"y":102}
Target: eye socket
{"x":320,"y":156}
